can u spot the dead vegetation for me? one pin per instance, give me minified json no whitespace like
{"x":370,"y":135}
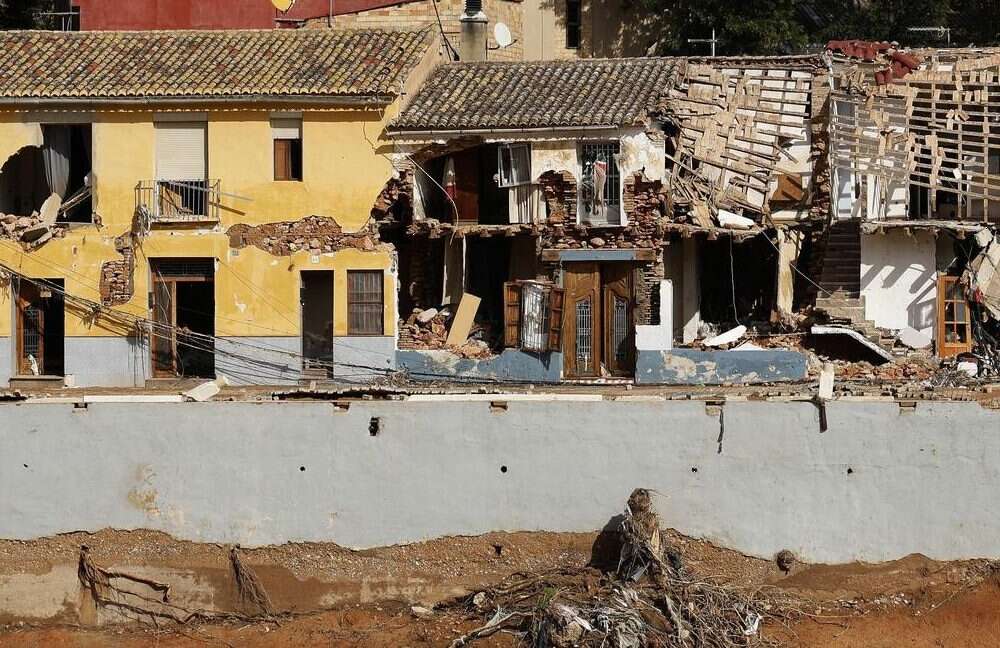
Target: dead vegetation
{"x":649,"y":599}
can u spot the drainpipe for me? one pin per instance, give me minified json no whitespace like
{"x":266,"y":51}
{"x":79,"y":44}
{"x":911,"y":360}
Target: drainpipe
{"x":472,"y":43}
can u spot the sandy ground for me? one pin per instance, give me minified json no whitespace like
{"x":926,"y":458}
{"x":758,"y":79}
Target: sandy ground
{"x":913,"y":602}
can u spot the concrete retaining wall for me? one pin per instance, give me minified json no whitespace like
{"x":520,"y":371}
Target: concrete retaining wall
{"x":757,"y":477}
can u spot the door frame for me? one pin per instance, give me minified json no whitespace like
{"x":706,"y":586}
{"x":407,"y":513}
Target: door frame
{"x":602,"y":281}
{"x":171,"y":282}
{"x":947,"y":349}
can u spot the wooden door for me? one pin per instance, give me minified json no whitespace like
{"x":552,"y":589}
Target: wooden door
{"x":30,"y":330}
{"x":164,"y":342}
{"x":581,"y":336}
{"x":954,"y":324}
{"x":617,"y":320}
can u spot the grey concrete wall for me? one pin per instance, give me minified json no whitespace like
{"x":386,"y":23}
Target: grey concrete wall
{"x":362,"y":358}
{"x":259,"y":360}
{"x":106,"y":361}
{"x":880,"y":483}
{"x":6,"y":360}
{"x":694,"y":367}
{"x":511,"y":364}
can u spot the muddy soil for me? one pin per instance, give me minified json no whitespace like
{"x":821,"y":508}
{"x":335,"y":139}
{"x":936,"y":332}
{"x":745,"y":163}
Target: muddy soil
{"x":914,"y":602}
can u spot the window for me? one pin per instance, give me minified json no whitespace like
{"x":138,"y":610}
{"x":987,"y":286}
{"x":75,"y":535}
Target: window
{"x":533,"y":315}
{"x":514,"y":161}
{"x":287,"y":136}
{"x":181,"y":169}
{"x":573,"y":24}
{"x":600,"y":187}
{"x":365,"y":303}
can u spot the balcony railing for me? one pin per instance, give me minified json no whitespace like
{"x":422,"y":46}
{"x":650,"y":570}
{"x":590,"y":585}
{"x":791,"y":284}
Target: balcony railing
{"x":178,"y":201}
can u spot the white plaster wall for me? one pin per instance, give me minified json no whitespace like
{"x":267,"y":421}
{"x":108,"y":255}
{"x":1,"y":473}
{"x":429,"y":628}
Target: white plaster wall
{"x":640,"y":152}
{"x":879,"y":484}
{"x":554,"y":155}
{"x":898,"y":279}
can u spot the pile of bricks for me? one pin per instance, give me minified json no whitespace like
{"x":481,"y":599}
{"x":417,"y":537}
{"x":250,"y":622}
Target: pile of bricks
{"x":117,"y":286}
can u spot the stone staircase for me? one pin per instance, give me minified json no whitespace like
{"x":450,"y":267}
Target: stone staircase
{"x":843,"y":308}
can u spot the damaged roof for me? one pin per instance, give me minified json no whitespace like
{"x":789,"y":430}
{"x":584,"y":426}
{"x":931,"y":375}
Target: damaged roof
{"x":538,"y":94}
{"x":207,"y":65}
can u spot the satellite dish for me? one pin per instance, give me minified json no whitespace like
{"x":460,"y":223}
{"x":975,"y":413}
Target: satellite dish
{"x":282,"y":5}
{"x":501,"y":33}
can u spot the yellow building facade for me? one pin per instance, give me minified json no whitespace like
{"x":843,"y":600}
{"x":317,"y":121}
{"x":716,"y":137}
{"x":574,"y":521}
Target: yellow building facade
{"x":258,"y":321}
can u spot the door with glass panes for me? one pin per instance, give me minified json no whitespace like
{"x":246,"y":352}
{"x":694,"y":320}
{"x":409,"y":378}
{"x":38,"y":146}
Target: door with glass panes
{"x":598,"y":320}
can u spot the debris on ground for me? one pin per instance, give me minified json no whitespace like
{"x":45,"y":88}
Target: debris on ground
{"x":31,"y":231}
{"x":427,"y":330}
{"x":649,"y":599}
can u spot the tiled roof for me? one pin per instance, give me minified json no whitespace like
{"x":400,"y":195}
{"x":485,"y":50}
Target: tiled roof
{"x":588,"y":92}
{"x":206,"y":64}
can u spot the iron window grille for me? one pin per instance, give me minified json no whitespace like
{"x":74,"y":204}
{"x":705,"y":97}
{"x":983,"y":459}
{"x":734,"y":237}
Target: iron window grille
{"x":365,"y":302}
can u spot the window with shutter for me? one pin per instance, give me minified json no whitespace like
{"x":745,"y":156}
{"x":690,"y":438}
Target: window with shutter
{"x":533,"y":312}
{"x":287,"y":136}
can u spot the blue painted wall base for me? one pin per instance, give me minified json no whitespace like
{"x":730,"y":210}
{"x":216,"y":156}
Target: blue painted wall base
{"x":693,"y":367}
{"x":512,"y":364}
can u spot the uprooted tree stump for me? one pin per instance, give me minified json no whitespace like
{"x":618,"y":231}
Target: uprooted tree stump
{"x":650,"y":600}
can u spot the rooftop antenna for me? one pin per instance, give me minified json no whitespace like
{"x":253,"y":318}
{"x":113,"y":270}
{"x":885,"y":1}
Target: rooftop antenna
{"x":713,"y":40}
{"x":941,"y":31}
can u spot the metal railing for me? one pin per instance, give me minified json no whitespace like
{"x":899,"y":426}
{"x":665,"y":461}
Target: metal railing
{"x":178,"y":201}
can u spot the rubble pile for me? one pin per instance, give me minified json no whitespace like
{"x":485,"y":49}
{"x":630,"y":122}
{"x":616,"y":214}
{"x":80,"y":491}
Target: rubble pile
{"x":427,"y":330}
{"x":649,"y":600}
{"x":31,"y":231}
{"x":315,"y":234}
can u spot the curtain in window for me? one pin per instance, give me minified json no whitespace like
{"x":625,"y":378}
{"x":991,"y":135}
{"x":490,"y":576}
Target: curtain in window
{"x":55,"y":156}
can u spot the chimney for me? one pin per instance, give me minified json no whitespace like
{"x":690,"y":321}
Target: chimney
{"x":472,"y":44}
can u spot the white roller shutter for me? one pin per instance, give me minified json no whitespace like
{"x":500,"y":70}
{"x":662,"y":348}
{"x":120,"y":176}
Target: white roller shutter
{"x":286,"y":129}
{"x":180,"y":151}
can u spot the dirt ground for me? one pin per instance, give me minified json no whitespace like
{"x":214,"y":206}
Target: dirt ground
{"x":913,"y":602}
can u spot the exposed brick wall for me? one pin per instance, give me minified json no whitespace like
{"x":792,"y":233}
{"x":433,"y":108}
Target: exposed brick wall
{"x":317,"y":234}
{"x":117,"y":277}
{"x":559,"y":190}
{"x":395,"y":201}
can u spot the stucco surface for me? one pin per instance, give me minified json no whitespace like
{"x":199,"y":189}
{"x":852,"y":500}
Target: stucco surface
{"x":757,"y":477}
{"x":510,"y":364}
{"x":898,"y":279}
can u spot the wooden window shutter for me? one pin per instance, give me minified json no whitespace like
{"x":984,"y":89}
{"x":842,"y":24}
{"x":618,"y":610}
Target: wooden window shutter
{"x":511,"y":314}
{"x":282,"y":159}
{"x":556,"y":298}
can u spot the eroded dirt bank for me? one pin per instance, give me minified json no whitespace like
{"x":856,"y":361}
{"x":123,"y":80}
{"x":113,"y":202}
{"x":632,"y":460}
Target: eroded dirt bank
{"x":364,"y":598}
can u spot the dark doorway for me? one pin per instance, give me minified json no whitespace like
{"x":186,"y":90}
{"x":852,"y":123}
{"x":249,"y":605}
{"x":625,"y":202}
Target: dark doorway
{"x":183,"y":303}
{"x":738,"y":281}
{"x":316,"y":297}
{"x":41,"y":322}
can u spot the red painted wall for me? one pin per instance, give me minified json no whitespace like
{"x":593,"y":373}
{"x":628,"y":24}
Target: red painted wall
{"x":99,"y":15}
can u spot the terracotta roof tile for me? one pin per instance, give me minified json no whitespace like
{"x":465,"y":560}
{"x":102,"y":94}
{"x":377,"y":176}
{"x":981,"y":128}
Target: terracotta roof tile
{"x":588,"y":92}
{"x":206,"y":64}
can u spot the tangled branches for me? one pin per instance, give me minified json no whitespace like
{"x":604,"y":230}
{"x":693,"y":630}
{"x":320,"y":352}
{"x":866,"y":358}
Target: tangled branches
{"x":144,"y":599}
{"x":651,"y":600}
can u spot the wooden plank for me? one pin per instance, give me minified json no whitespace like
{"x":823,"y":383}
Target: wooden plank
{"x":461,"y":326}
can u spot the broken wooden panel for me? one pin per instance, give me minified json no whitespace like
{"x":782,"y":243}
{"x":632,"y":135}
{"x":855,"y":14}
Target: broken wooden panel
{"x":738,"y":121}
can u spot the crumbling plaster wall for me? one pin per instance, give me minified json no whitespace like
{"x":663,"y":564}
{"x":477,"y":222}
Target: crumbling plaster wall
{"x":881,"y":483}
{"x":898,"y":280}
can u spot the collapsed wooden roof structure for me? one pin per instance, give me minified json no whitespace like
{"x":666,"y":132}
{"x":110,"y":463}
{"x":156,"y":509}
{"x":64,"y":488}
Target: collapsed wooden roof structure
{"x":737,"y":120}
{"x":917,"y":133}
